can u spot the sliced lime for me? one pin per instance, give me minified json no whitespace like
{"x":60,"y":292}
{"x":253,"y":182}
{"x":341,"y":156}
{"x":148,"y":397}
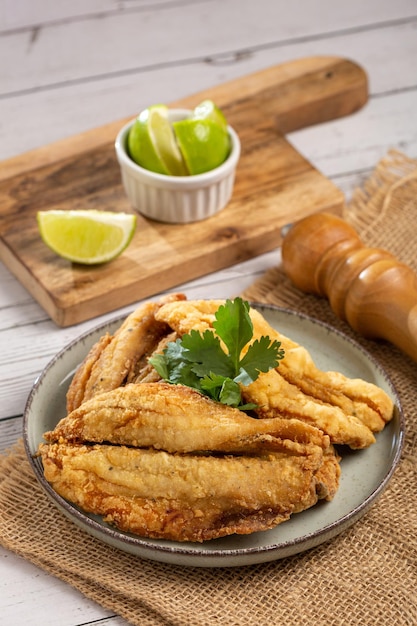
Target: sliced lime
{"x":207,"y":110}
{"x":86,"y":236}
{"x":204,"y":144}
{"x":152,"y":143}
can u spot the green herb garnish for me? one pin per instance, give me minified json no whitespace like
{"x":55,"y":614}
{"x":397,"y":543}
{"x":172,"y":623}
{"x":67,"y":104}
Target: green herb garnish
{"x":198,"y":360}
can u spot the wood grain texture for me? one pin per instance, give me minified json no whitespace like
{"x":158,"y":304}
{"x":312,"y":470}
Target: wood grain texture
{"x":54,"y":89}
{"x":274,"y":185}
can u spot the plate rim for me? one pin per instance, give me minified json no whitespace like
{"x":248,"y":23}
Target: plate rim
{"x":177,"y":554}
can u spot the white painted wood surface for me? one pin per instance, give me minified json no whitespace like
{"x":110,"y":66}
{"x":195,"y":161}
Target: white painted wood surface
{"x":66,"y":67}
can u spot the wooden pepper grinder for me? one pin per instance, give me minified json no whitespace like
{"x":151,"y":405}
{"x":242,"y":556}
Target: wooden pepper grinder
{"x":367,"y":287}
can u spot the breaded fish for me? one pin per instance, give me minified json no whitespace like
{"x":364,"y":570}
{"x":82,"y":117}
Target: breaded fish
{"x":119,"y":359}
{"x":77,"y":388}
{"x":190,"y":315}
{"x":348,"y":410}
{"x":275,"y":397}
{"x":176,"y":418}
{"x":328,"y":475}
{"x":183,"y":497}
{"x":366,"y":401}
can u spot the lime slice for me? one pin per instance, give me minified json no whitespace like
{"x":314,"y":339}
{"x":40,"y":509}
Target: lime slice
{"x":207,"y":110}
{"x":152,"y":144}
{"x":204,"y":144}
{"x":89,"y":236}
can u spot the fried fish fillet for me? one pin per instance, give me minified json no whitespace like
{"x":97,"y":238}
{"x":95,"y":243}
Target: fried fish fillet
{"x":366,"y":401}
{"x":183,"y":497}
{"x":348,"y":410}
{"x":176,"y":418}
{"x":274,"y":396}
{"x":118,"y":359}
{"x":328,"y":475}
{"x":190,"y":315}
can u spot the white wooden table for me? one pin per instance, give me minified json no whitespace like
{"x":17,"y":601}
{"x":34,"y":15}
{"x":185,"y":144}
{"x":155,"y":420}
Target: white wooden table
{"x":66,"y":67}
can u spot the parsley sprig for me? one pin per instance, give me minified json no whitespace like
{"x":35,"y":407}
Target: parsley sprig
{"x":198,"y":360}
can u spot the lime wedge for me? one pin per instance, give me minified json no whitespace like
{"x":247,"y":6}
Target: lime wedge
{"x":204,"y":143}
{"x":207,"y":110}
{"x":152,"y":143}
{"x":89,"y":237}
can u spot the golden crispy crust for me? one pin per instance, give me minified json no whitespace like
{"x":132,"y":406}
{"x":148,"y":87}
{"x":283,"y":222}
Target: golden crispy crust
{"x":122,"y":357}
{"x":179,"y":419}
{"x":192,"y":314}
{"x":77,"y":388}
{"x":183,"y":497}
{"x":328,"y":475}
{"x":356,"y":397}
{"x":348,"y":410}
{"x":276,"y":397}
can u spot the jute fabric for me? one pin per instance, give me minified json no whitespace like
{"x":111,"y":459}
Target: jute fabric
{"x":366,"y":575}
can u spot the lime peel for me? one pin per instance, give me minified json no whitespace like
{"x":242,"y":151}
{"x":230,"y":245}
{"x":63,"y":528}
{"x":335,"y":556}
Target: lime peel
{"x":152,"y":144}
{"x":89,"y":237}
{"x":204,"y":144}
{"x":207,"y":110}
{"x":194,"y":145}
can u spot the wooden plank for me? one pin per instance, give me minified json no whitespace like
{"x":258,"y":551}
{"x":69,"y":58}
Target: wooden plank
{"x":274,"y":185}
{"x":21,"y":14}
{"x":391,"y":67}
{"x":127,"y":37}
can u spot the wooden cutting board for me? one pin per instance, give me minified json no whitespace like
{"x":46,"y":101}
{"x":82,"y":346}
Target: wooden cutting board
{"x":274,"y":185}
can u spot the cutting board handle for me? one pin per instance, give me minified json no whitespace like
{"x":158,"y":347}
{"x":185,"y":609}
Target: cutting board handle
{"x":368,"y":287}
{"x":287,"y":97}
{"x":294,"y":95}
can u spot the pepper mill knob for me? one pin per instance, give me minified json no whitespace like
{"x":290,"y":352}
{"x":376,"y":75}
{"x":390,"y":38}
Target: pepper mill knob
{"x":369,"y":288}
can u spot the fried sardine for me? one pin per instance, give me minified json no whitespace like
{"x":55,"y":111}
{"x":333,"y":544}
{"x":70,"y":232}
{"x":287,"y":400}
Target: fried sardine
{"x":184,"y":497}
{"x":350,"y":411}
{"x":176,"y":418}
{"x":162,"y":460}
{"x":116,"y":360}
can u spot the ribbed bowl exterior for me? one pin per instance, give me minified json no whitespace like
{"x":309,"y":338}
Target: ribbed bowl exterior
{"x":178,"y":206}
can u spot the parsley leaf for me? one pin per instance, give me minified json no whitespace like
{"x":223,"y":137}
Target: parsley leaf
{"x":234,"y":326}
{"x":206,"y":354}
{"x":199,"y":360}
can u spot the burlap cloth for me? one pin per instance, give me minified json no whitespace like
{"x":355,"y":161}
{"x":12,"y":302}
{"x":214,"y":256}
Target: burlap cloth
{"x":367,"y":575}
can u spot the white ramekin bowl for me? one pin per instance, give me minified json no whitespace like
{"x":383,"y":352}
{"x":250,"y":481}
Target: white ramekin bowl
{"x":177,"y":199}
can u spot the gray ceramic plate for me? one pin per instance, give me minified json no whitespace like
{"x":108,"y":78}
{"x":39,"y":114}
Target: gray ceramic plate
{"x":365,"y":473}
